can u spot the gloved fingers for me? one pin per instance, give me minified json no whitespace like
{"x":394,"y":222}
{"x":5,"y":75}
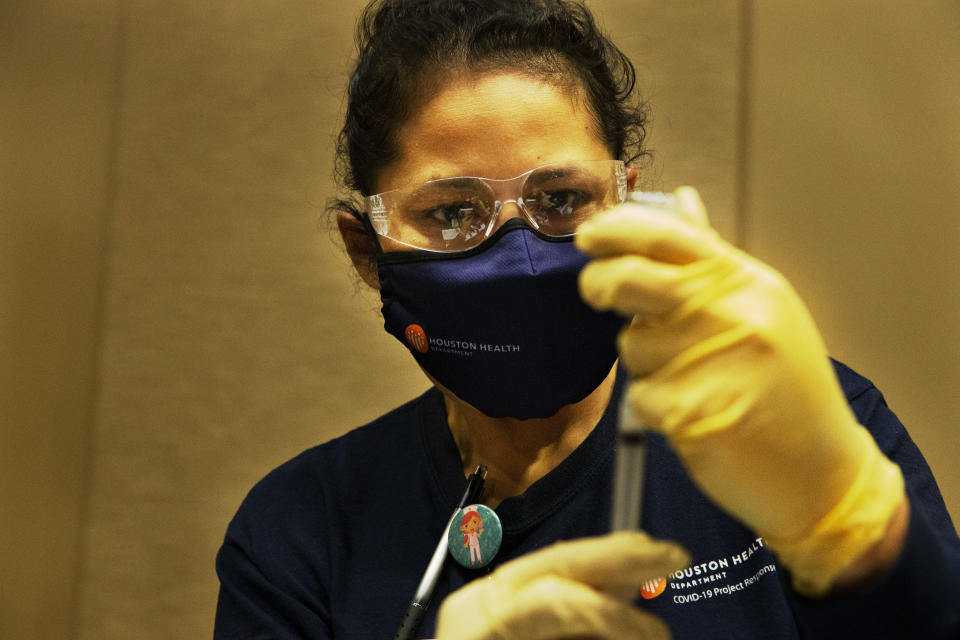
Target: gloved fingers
{"x":691,"y":392}
{"x":636,"y":229}
{"x":546,"y":608}
{"x":552,"y":607}
{"x":624,"y":559}
{"x":691,"y":207}
{"x":630,"y":284}
{"x":637,"y":285}
{"x":731,"y":368}
{"x":646,"y":346}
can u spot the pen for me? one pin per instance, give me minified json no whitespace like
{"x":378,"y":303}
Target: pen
{"x":416,"y":609}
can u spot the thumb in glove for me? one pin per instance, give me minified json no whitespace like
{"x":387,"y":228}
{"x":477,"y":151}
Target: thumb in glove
{"x":570,"y":589}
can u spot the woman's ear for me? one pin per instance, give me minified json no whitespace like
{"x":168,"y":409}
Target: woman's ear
{"x":632,"y":173}
{"x":360,"y":246}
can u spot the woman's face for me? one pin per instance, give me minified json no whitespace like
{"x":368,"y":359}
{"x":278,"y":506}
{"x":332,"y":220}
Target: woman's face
{"x":495,"y":125}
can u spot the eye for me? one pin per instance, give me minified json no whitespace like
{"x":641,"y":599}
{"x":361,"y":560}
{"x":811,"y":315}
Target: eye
{"x":455,"y":214}
{"x":559,"y":203}
{"x":453,"y":221}
{"x":562,"y":201}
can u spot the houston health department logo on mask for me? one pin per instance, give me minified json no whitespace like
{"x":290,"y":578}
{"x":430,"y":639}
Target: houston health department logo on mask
{"x":416,"y":337}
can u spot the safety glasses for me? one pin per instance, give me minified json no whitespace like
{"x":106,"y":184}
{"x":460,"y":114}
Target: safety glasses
{"x":455,"y":214}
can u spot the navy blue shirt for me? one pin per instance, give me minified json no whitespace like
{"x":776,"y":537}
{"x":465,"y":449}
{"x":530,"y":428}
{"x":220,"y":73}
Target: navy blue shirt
{"x":333,"y":543}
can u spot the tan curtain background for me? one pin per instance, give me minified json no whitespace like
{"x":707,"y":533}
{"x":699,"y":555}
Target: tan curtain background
{"x":175,"y":319}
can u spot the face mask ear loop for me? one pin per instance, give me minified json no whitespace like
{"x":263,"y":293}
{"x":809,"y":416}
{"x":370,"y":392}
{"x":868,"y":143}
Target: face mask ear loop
{"x":365,"y":219}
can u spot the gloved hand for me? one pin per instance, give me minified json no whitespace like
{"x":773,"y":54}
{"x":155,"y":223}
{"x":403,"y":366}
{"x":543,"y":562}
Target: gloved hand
{"x":727,"y":364}
{"x":582,"y":588}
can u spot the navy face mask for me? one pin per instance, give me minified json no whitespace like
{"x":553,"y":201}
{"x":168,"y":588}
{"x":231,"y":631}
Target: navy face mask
{"x":502,"y":325}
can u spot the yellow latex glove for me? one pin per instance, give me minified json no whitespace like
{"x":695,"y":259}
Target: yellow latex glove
{"x":582,"y":588}
{"x":727,"y":364}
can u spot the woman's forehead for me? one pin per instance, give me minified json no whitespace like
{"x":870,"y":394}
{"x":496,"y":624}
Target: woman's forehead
{"x":497,"y":125}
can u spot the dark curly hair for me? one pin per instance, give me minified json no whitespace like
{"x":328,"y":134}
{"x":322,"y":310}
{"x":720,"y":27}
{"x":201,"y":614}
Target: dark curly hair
{"x":403,"y":45}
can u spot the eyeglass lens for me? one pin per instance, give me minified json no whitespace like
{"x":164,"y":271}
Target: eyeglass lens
{"x":453,"y":214}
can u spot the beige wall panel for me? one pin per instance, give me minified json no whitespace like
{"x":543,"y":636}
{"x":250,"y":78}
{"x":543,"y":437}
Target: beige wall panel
{"x":56,"y":107}
{"x":234,"y":337}
{"x":853,"y":185}
{"x":688,"y":59}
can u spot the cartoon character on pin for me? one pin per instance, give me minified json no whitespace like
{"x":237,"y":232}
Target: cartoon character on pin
{"x":464,"y":537}
{"x":472,"y":527}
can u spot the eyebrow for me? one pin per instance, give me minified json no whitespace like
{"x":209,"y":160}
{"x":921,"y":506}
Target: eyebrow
{"x":552,"y":173}
{"x":542,"y":173}
{"x":456,"y":183}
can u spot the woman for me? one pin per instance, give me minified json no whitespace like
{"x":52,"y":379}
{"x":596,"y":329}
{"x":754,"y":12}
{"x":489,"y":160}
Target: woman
{"x":481,"y":134}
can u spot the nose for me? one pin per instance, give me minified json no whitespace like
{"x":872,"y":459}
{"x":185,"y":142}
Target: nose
{"x":505,"y":210}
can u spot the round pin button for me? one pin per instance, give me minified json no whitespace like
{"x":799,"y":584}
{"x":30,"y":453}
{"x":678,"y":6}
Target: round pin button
{"x":475,"y":535}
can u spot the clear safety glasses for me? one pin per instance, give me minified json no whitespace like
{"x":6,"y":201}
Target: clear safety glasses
{"x":455,"y":214}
